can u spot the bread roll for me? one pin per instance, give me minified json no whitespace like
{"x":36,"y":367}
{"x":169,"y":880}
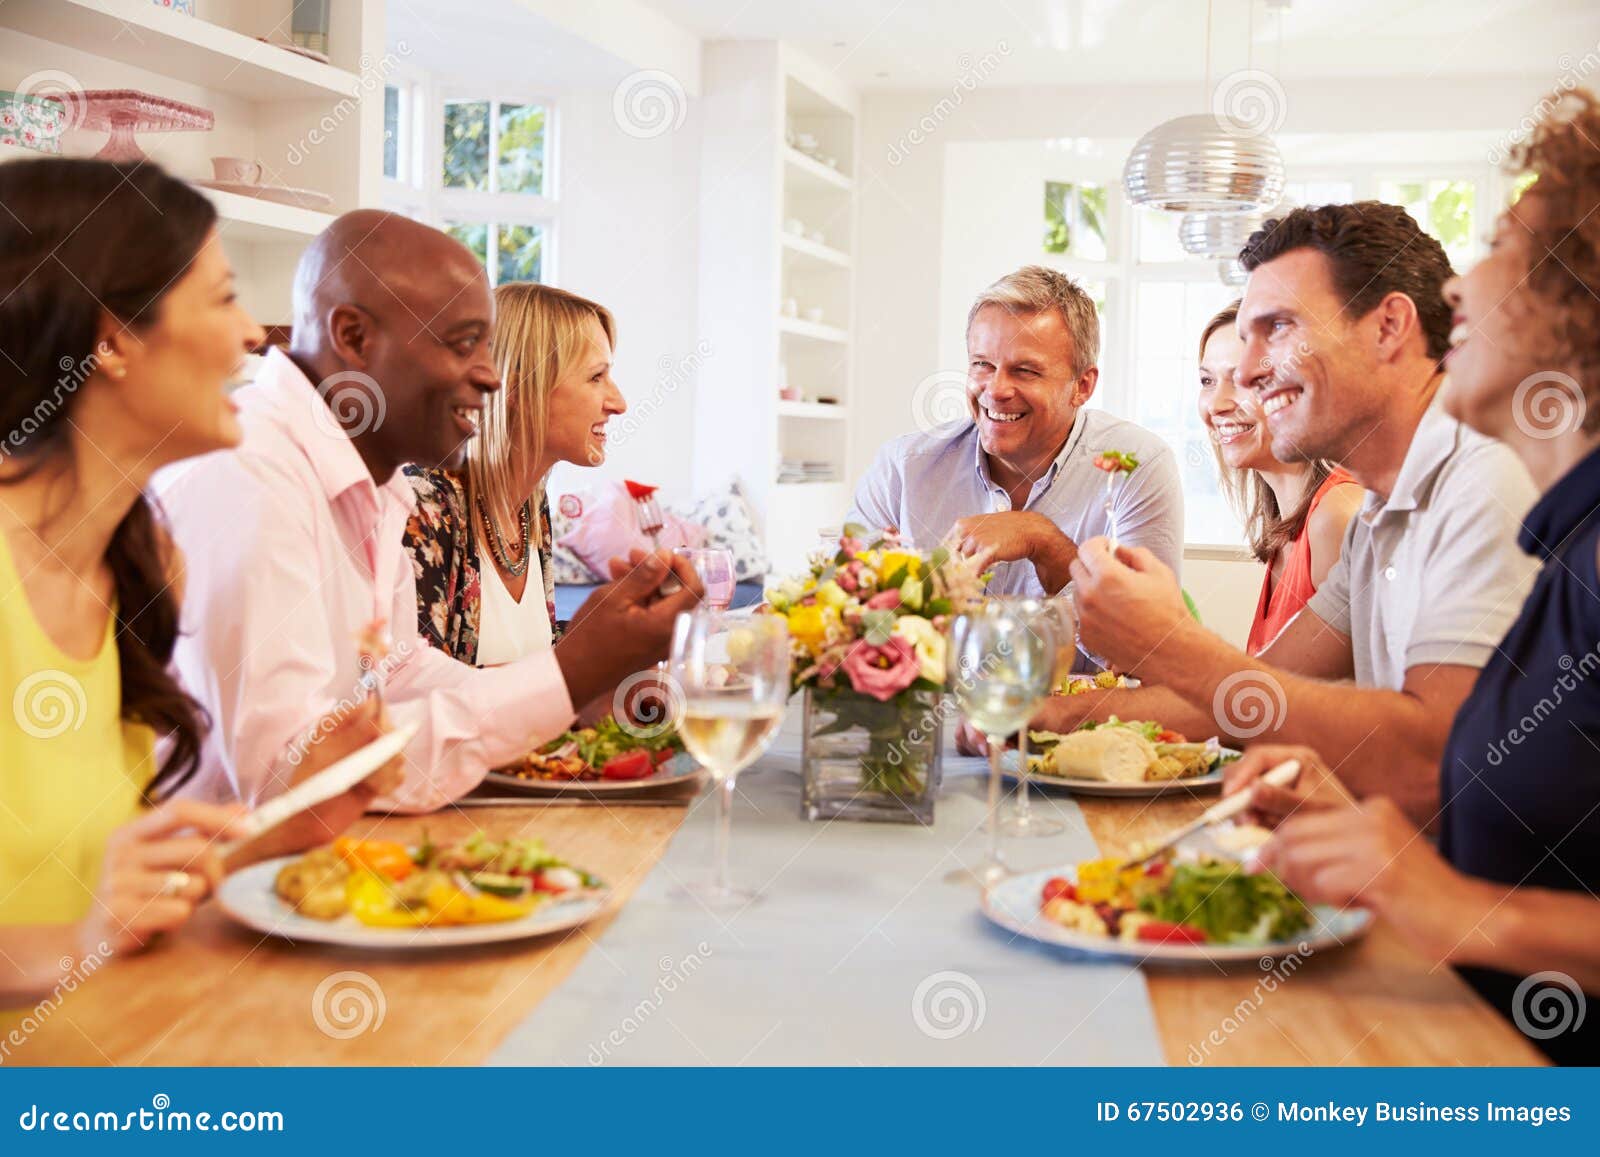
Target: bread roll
{"x":1114,"y":754}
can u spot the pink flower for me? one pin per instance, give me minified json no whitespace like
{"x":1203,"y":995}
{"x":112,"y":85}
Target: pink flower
{"x":847,"y":581}
{"x":881,"y":672}
{"x":884,"y":601}
{"x":851,"y":545}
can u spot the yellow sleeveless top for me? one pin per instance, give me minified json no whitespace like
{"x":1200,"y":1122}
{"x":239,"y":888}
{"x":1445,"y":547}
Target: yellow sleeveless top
{"x":70,"y":769}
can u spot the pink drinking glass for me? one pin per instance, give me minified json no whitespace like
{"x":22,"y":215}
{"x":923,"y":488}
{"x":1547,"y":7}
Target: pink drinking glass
{"x":715,"y":568}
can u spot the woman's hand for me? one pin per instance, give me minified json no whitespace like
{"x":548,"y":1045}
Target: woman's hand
{"x":156,"y":870}
{"x":1315,"y":789}
{"x":1370,"y":854}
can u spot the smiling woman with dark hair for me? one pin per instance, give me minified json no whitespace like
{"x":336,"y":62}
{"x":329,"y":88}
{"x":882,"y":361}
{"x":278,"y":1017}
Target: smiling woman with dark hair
{"x":119,"y":329}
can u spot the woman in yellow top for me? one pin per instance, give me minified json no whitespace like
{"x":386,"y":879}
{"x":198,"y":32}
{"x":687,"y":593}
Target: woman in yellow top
{"x":119,"y":329}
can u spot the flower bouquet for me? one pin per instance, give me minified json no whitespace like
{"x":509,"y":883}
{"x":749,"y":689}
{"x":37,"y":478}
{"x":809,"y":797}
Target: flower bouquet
{"x":867,"y":639}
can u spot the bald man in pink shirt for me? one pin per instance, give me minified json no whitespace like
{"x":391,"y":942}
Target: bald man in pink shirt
{"x":294,"y":541}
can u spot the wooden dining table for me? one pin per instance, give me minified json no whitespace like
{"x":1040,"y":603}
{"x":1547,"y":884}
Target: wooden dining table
{"x":216,"y":993}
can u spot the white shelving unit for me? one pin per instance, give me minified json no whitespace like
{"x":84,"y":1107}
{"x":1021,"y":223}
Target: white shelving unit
{"x":784,"y":246}
{"x":311,"y":125}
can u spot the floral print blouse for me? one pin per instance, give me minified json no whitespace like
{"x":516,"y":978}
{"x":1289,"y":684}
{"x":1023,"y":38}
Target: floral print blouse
{"x":443,"y":541}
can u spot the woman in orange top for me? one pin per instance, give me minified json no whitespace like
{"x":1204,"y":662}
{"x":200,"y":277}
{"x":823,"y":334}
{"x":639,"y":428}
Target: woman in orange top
{"x":1295,"y":513}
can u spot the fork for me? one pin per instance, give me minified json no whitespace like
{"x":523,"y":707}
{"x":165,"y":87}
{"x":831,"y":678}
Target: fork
{"x":651,"y":519}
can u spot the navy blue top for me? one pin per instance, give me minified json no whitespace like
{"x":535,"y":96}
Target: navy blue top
{"x":1520,"y":784}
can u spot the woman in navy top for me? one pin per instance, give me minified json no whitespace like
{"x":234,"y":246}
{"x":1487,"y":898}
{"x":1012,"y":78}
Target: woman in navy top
{"x":1511,"y":896}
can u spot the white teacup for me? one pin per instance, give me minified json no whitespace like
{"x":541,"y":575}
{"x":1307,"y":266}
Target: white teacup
{"x":236,"y":170}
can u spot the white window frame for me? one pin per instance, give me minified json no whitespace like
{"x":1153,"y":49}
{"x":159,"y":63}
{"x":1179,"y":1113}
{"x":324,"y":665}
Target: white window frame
{"x":424,"y":195}
{"x":474,"y":207}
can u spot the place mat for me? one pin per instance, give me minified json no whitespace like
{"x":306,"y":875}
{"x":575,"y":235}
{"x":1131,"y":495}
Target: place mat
{"x":858,"y":952}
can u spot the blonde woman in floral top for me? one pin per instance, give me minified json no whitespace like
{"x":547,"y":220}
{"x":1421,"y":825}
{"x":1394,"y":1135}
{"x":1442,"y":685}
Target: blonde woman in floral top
{"x":480,"y":537}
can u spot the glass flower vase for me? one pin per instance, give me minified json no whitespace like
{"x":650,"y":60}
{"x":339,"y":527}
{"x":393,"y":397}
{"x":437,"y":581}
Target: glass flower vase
{"x":869,"y":760}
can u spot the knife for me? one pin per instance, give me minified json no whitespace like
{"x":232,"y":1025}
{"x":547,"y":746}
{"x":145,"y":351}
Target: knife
{"x":1280,"y":776}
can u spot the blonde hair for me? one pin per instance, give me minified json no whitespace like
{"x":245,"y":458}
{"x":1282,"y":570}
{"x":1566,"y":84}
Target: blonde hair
{"x":538,"y":335}
{"x":1038,"y":289}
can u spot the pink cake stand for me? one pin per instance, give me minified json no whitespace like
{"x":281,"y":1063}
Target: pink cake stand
{"x":123,"y":112}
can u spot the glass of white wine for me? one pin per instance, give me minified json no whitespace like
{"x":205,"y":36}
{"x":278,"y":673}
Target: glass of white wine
{"x":1060,"y":619}
{"x":733,"y":676}
{"x":1004,"y":661}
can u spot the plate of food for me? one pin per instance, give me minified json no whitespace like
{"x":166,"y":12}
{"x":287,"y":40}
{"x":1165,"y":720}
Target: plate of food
{"x":1083,"y":684}
{"x":381,"y":894}
{"x":1198,"y":909}
{"x":606,"y":759}
{"x":1122,"y":758}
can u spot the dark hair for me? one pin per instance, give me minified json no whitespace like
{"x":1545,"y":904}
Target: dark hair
{"x":1268,"y":529}
{"x":1374,"y":250}
{"x":80,"y":240}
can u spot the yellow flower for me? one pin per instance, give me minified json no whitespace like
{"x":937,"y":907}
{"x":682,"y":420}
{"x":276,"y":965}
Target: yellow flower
{"x":831,"y":594}
{"x":809,"y":625}
{"x":893,"y":560}
{"x":927,"y":642}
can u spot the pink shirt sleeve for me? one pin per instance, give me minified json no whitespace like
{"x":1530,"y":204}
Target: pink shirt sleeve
{"x":472,"y":718}
{"x":271,"y":615}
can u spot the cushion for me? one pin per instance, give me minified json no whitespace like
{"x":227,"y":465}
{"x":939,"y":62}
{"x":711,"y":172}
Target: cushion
{"x":604,"y":524}
{"x":730,"y":524}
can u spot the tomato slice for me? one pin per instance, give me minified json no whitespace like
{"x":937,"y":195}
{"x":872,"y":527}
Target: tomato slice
{"x":1162,"y":932}
{"x":1059,"y":888}
{"x":635,"y":764}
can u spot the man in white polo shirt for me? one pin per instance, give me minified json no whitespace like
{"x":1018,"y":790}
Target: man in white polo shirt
{"x":1344,"y":325}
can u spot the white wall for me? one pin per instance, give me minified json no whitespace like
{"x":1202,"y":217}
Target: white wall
{"x":628,"y":239}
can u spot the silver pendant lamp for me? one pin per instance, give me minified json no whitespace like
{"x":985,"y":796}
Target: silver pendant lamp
{"x":1223,"y":161}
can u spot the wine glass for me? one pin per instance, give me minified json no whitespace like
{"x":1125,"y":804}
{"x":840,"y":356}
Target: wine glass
{"x":1003,"y":663}
{"x":1059,"y":618}
{"x":715,"y":568}
{"x":733,"y":676}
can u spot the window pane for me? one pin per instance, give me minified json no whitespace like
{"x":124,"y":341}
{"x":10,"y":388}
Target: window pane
{"x":520,"y":153}
{"x":474,"y":237}
{"x":1450,"y":208}
{"x":1075,"y":220}
{"x":521,"y":253}
{"x":391,"y":131}
{"x":1169,"y":316}
{"x":1158,"y":237}
{"x":466,"y":144}
{"x":1444,"y":209}
{"x":1057,"y":217}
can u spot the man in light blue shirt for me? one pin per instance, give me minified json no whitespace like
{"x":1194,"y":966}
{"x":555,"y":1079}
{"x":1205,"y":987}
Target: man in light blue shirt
{"x":1016,"y":482}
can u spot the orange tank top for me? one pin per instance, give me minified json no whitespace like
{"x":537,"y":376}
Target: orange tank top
{"x":1279,"y":604}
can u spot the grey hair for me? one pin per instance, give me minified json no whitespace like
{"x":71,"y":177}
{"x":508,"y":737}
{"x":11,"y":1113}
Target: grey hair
{"x":1038,"y":289}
